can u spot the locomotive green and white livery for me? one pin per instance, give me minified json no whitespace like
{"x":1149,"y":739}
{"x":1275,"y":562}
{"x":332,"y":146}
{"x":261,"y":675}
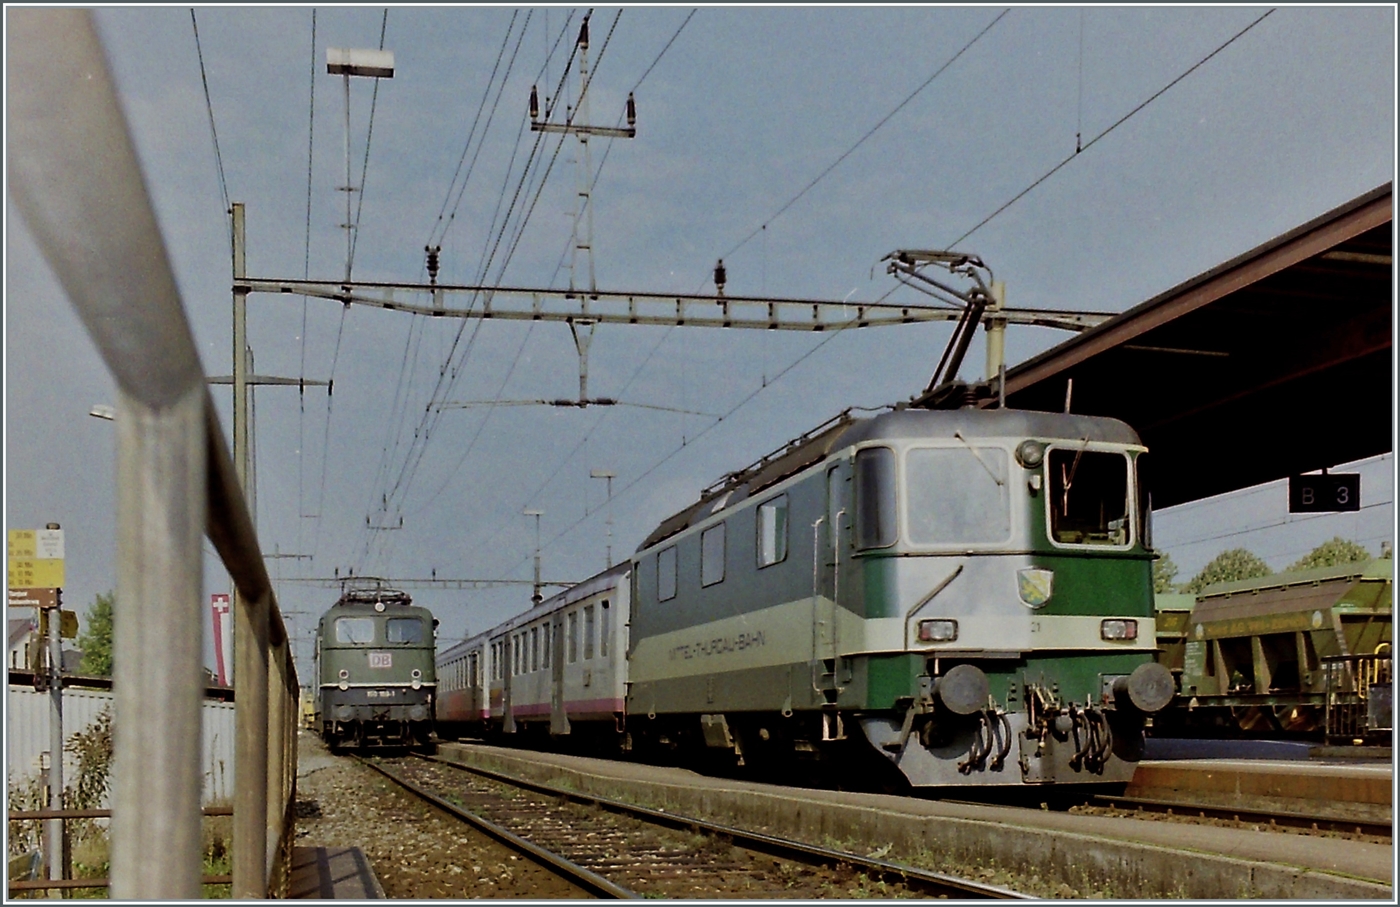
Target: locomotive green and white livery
{"x":968,"y":589}
{"x":375,"y":671}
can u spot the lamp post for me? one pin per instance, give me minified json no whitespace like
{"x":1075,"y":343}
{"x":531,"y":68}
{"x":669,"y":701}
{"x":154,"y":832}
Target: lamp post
{"x":536,"y":598}
{"x":348,"y":62}
{"x":606,"y":474}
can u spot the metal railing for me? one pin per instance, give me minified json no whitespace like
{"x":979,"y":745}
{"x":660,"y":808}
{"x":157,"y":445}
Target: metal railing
{"x":75,"y":179}
{"x":1357,"y":701}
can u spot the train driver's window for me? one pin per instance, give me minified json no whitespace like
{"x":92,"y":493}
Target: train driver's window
{"x":356,"y":630}
{"x":404,"y":629}
{"x":666,"y":574}
{"x":1088,"y":497}
{"x":957,"y":495}
{"x":876,"y":525}
{"x":712,"y":555}
{"x":772,"y":531}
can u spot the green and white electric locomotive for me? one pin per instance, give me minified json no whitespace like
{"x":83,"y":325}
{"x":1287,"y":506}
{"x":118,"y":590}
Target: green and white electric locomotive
{"x":968,"y":589}
{"x":375,"y":672}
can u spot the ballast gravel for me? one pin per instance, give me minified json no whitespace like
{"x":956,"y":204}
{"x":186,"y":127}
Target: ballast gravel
{"x":415,"y":850}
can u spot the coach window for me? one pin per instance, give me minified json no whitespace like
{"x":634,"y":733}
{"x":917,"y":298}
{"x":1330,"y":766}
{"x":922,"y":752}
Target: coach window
{"x":606,"y":630}
{"x":1088,"y":497}
{"x":404,"y":629}
{"x":357,"y":630}
{"x":545,"y":645}
{"x":772,"y":530}
{"x":573,"y":636}
{"x":712,"y":555}
{"x":534,"y":648}
{"x":875,"y":498}
{"x":590,"y":626}
{"x":666,"y":574}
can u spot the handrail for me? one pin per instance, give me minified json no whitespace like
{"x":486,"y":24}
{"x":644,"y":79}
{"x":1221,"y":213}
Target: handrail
{"x":76,"y":180}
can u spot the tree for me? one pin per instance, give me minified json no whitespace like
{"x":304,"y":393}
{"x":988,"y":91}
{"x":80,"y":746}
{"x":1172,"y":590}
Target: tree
{"x":1228,"y":566}
{"x":1164,"y":574}
{"x":1331,"y":553}
{"x":96,"y":640}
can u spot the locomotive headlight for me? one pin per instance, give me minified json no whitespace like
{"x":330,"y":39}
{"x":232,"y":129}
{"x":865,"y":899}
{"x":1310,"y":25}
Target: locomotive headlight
{"x":1030,"y":453}
{"x":938,"y":630}
{"x":1118,"y":629}
{"x":345,"y":684}
{"x":417,"y":676}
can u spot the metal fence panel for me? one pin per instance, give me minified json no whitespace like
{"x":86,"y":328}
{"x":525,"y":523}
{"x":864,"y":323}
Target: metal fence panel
{"x":27,"y":735}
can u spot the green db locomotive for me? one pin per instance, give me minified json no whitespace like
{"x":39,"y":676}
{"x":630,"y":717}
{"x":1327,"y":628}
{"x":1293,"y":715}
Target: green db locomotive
{"x":375,"y":673}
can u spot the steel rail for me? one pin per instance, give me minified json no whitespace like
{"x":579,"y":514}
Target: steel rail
{"x":932,"y":883}
{"x":1249,"y":816}
{"x":584,"y":878}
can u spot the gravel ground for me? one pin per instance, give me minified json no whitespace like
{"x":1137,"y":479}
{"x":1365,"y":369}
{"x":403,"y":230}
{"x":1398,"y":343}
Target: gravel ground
{"x":416,"y":851}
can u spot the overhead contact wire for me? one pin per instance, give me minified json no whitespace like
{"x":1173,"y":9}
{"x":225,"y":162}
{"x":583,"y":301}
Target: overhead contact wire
{"x":1119,"y":122}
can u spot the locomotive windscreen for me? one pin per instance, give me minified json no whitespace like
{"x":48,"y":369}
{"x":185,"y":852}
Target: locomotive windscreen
{"x":957,"y":494}
{"x":1088,"y":497}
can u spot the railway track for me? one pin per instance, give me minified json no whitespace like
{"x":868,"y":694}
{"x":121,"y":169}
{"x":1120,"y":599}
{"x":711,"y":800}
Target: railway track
{"x":618,"y":850}
{"x":1268,"y":818}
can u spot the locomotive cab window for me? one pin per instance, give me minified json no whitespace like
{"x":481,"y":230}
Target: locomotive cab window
{"x":403,"y":629}
{"x":355,"y":630}
{"x":772,"y":530}
{"x":958,"y":495}
{"x":1088,"y":498}
{"x":875,"y":522}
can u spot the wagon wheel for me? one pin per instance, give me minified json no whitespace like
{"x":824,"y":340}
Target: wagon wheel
{"x":1253,"y":718}
{"x":1297,"y":719}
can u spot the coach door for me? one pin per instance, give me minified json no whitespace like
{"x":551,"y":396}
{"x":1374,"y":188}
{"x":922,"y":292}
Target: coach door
{"x":827,"y":539}
{"x":558,"y":713}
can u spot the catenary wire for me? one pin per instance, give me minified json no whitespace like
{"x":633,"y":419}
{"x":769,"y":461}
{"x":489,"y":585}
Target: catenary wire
{"x":213,"y":131}
{"x":364,"y":167}
{"x":1121,"y":120}
{"x":430,"y":418}
{"x":873,"y":129}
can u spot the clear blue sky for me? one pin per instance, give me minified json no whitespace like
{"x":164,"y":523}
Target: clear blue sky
{"x":744,"y":110}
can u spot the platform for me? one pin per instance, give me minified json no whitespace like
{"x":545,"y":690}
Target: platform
{"x":1141,"y":856}
{"x":333,"y":873}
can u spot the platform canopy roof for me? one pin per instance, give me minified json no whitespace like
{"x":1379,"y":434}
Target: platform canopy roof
{"x":1275,"y":363}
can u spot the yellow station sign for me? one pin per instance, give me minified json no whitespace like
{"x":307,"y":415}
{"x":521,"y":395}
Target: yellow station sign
{"x":35,"y":558}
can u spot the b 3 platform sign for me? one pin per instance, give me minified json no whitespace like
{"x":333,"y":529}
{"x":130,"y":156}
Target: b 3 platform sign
{"x":35,"y":559}
{"x":1325,"y":493}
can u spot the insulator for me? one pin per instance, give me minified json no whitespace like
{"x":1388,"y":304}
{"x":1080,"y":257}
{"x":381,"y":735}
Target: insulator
{"x":583,"y":35}
{"x":534,"y":103}
{"x":433,"y":252}
{"x":631,"y":110}
{"x":720,"y":275}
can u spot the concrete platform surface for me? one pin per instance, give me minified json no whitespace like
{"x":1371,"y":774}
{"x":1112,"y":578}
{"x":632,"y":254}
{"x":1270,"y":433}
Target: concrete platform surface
{"x":332,"y":873}
{"x":1151,"y":858}
{"x":1354,"y":790}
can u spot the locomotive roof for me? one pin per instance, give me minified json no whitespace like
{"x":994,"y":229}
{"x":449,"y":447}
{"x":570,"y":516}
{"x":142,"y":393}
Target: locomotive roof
{"x":899,"y":423}
{"x":374,"y":595}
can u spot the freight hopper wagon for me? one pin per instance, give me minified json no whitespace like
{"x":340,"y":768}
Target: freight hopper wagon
{"x":966,"y":593}
{"x":1305,"y":654}
{"x":375,"y":672}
